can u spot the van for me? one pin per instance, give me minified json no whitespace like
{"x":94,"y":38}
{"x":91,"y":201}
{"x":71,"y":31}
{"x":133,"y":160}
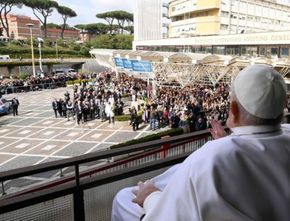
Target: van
{"x":71,"y":71}
{"x":4,"y":57}
{"x":59,"y":72}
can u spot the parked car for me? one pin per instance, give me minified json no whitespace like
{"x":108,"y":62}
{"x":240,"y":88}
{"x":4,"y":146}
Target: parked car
{"x":5,"y":106}
{"x":71,"y":71}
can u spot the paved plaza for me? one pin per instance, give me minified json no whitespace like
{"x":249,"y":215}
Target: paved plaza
{"x":35,"y":136}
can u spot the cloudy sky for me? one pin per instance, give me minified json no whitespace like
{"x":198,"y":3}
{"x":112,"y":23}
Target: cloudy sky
{"x":86,"y":10}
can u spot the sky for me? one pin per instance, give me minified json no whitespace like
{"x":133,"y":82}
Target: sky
{"x":85,"y":9}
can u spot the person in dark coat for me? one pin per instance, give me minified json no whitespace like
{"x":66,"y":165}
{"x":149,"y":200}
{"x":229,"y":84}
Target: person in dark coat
{"x":15,"y":104}
{"x":79,"y":111}
{"x":55,"y":107}
{"x":59,"y":107}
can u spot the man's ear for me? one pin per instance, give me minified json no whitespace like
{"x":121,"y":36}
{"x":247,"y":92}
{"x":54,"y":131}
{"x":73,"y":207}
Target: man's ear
{"x":235,"y":112}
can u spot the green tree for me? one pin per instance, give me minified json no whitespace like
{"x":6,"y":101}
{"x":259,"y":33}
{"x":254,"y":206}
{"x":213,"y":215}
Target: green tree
{"x":66,"y":13}
{"x":5,"y":9}
{"x":42,"y":8}
{"x":97,"y":28}
{"x":108,"y":17}
{"x":122,"y":17}
{"x":113,"y":41}
{"x":130,"y":29}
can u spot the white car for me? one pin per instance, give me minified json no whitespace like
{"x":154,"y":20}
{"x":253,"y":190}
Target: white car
{"x":5,"y":106}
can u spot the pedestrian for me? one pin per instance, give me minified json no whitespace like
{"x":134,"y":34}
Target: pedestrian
{"x":55,"y":107}
{"x":15,"y":104}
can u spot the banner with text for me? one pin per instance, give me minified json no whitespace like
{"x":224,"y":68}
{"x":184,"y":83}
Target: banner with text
{"x":141,"y":66}
{"x":119,"y":62}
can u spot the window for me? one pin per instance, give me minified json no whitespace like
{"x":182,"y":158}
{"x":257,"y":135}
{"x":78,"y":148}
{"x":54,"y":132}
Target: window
{"x":284,"y":52}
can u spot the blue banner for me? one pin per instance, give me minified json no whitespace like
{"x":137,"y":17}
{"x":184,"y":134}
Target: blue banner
{"x":119,"y":62}
{"x":127,"y":64}
{"x":141,"y":66}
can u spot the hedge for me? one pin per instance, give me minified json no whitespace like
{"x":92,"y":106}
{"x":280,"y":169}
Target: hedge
{"x":157,"y":136}
{"x":25,"y":52}
{"x":125,"y":117}
{"x":78,"y":81}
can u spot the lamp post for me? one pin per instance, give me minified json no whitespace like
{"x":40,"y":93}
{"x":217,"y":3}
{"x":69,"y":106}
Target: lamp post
{"x":56,"y":49}
{"x":30,"y":25}
{"x":40,"y":41}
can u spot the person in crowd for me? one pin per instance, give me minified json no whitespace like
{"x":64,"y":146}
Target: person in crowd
{"x":191,"y":122}
{"x":15,"y":104}
{"x":175,"y":119}
{"x":109,"y":108}
{"x":59,"y":107}
{"x":103,"y":111}
{"x":153,"y":116}
{"x":243,"y":176}
{"x":134,"y":118}
{"x":200,"y":124}
{"x":70,"y":110}
{"x":55,"y":107}
{"x":63,"y":108}
{"x":66,"y":96}
{"x":79,"y":111}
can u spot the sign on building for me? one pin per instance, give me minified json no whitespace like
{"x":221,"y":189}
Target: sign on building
{"x":119,"y":62}
{"x":141,"y":66}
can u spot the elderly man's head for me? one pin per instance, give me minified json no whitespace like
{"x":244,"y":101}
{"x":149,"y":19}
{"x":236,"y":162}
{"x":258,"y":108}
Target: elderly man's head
{"x":258,"y":97}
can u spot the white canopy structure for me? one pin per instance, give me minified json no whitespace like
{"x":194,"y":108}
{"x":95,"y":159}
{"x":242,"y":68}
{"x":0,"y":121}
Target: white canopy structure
{"x":188,"y":68}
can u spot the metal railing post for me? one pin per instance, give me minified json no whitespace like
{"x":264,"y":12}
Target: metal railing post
{"x":78,"y":198}
{"x":3,"y":189}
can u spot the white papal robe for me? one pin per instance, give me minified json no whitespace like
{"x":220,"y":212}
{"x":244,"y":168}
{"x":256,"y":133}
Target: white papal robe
{"x":245,"y":176}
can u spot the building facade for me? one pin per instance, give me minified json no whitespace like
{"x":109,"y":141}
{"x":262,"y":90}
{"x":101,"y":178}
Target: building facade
{"x":18,"y":28}
{"x":55,"y":33}
{"x":219,"y":17}
{"x":266,"y":44}
{"x":148,"y":20}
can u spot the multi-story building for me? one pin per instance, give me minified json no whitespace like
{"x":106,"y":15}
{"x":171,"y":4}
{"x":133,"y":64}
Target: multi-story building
{"x":18,"y":28}
{"x":219,"y":17}
{"x":54,"y":33}
{"x":227,"y":27}
{"x":148,"y":20}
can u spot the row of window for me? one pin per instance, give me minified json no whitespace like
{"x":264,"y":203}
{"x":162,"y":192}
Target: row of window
{"x":267,"y":51}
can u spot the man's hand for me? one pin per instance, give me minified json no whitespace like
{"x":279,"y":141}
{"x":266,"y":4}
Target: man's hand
{"x":217,"y":131}
{"x":142,"y":191}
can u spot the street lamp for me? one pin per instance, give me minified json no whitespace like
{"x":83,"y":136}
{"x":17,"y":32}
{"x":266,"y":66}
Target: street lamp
{"x":30,"y":25}
{"x":40,"y":41}
{"x":56,"y":49}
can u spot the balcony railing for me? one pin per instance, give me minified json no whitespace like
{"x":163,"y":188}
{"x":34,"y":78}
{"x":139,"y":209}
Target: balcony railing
{"x":88,"y":195}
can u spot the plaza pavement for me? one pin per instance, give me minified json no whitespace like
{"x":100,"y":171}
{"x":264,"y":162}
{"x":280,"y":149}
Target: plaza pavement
{"x":35,"y":136}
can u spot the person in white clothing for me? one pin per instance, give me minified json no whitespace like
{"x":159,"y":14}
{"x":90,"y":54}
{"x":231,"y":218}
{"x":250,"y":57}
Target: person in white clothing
{"x":241,"y":177}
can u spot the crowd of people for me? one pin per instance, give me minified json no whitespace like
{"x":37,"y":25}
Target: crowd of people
{"x":14,"y":85}
{"x":191,"y":108}
{"x":101,"y":97}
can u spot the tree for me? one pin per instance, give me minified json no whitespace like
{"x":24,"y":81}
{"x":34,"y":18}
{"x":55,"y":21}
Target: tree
{"x":42,"y":8}
{"x":5,"y":9}
{"x":130,"y":29}
{"x":109,"y":18}
{"x":66,"y":13}
{"x":122,"y":17}
{"x":97,"y":28}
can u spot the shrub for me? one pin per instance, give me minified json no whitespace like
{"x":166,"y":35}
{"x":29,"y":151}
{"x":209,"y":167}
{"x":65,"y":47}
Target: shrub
{"x":125,"y":117}
{"x":157,"y":136}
